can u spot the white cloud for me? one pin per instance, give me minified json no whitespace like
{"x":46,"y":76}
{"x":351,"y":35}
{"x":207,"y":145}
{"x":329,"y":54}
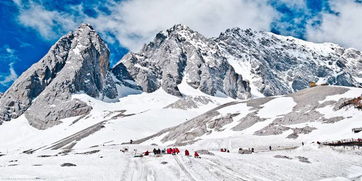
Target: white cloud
{"x":8,"y":55}
{"x":134,"y":22}
{"x":344,"y":28}
{"x":11,"y":77}
{"x":48,"y":23}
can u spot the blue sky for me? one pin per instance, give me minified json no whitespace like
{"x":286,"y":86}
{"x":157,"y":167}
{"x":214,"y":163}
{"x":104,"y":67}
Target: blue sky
{"x":30,"y":27}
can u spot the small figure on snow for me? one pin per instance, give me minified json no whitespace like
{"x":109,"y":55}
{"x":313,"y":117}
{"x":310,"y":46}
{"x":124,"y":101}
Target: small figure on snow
{"x":187,"y":153}
{"x":196,"y":155}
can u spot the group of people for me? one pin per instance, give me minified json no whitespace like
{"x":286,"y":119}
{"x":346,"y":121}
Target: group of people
{"x":172,"y":151}
{"x":156,"y":151}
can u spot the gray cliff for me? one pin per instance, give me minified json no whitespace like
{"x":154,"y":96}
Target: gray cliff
{"x":77,"y":63}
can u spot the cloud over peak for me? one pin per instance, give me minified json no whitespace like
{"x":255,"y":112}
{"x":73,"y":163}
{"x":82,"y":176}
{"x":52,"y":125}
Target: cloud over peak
{"x":343,"y":27}
{"x":134,"y":22}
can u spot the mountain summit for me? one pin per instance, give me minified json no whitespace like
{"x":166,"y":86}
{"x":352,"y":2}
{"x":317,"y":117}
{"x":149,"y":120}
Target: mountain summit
{"x":181,"y":54}
{"x":238,"y":64}
{"x":78,"y":62}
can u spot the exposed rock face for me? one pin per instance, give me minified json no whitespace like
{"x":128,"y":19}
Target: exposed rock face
{"x":307,"y":101}
{"x":189,"y":102}
{"x":276,"y":65}
{"x":182,"y":54}
{"x":77,"y":63}
{"x":273,"y":64}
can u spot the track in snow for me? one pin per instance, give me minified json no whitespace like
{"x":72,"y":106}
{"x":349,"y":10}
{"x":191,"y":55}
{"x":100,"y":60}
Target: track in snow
{"x":138,"y":170}
{"x":213,"y":169}
{"x":183,"y":168}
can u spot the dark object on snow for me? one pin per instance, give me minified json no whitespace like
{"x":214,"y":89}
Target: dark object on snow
{"x":242,"y":151}
{"x":355,"y":102}
{"x":88,"y":152}
{"x":196,"y":155}
{"x":124,"y":150}
{"x":44,"y":156}
{"x":187,"y":153}
{"x":345,"y":142}
{"x":68,"y":165}
{"x":164,"y":163}
{"x":130,"y":141}
{"x":356,"y":130}
{"x":282,"y":156}
{"x":270,"y":148}
{"x":303,"y":159}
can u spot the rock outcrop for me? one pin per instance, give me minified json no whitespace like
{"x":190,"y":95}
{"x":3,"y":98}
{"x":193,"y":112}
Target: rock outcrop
{"x":179,"y":54}
{"x":77,"y":63}
{"x":277,"y":65}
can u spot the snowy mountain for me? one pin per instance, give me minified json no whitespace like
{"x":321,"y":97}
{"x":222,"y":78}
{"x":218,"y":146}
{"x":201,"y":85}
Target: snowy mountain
{"x":237,"y":64}
{"x":69,"y":115}
{"x":181,"y":54}
{"x":78,"y":62}
{"x":240,"y":62}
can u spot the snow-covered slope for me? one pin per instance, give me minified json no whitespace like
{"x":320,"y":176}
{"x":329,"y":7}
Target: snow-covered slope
{"x":312,"y":114}
{"x":93,"y":142}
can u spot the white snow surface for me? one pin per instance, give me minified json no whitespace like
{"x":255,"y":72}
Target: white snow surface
{"x":147,"y":115}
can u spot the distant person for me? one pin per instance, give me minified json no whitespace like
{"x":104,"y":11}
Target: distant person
{"x":154,"y":151}
{"x":302,"y":143}
{"x":187,"y":153}
{"x":196,"y":155}
{"x":252,"y":150}
{"x":177,"y":150}
{"x":131,"y":141}
{"x":270,"y":148}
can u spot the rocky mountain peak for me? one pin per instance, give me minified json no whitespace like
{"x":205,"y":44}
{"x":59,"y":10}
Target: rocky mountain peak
{"x":77,"y":62}
{"x":181,"y":54}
